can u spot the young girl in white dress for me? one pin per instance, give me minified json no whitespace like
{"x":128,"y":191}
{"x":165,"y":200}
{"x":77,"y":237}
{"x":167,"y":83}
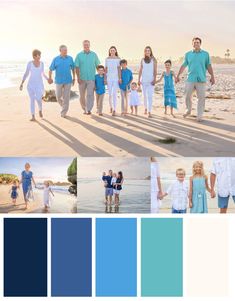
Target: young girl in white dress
{"x":47,"y":192}
{"x":35,"y":87}
{"x":147,"y":78}
{"x":134,"y":100}
{"x":113,"y":75}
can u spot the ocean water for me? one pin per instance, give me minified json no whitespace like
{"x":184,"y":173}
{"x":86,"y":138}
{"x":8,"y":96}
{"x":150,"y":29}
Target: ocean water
{"x":134,"y":197}
{"x":11,"y":72}
{"x":62,"y":202}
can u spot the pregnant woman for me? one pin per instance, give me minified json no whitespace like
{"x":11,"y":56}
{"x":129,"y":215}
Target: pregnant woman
{"x":147,"y":78}
{"x":26,"y":180}
{"x":35,"y":87}
{"x":113,"y":73}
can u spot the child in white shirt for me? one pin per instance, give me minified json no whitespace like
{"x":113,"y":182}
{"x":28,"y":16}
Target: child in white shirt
{"x":179,"y":192}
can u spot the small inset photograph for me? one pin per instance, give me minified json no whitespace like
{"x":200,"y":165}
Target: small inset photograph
{"x":193,"y":185}
{"x":113,"y":185}
{"x":38,"y":185}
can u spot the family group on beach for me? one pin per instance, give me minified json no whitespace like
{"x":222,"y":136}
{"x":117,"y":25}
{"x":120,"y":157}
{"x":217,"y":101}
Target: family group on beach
{"x":193,"y":194}
{"x":93,"y":77}
{"x":27,"y":181}
{"x":113,"y":183}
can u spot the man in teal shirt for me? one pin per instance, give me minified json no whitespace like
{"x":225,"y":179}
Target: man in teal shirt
{"x":86,"y":62}
{"x":198,"y":63}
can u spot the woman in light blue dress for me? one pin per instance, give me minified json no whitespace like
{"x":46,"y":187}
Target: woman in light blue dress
{"x":198,"y":187}
{"x":26,"y":180}
{"x":169,"y":89}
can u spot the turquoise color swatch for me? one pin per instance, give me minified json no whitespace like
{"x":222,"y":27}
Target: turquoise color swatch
{"x":162,"y":257}
{"x":116,"y":257}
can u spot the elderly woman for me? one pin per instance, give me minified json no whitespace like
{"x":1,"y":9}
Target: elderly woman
{"x":35,"y":71}
{"x":26,"y":181}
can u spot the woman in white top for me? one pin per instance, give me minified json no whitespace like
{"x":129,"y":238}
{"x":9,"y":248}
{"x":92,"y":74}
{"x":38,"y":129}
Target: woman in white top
{"x":147,"y":78}
{"x":113,"y":75}
{"x":156,"y":187}
{"x":35,"y":87}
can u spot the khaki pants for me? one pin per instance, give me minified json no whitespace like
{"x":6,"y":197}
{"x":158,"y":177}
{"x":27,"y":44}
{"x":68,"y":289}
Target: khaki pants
{"x":201,"y":93}
{"x":63,"y":97}
{"x":99,"y":102}
{"x":124,"y":96}
{"x":86,"y":89}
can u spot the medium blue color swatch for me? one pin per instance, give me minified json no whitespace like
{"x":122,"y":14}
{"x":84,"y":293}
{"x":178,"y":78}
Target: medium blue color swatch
{"x":25,"y":257}
{"x":116,"y":257}
{"x":71,"y":257}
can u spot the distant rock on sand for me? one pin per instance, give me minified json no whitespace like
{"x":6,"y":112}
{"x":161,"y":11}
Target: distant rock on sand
{"x":50,"y":96}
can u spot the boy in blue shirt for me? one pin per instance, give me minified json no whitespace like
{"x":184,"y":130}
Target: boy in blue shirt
{"x":100,"y":88}
{"x":127,"y":77}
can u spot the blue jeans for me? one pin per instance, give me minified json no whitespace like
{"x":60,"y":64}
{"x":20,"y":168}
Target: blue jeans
{"x":179,"y":211}
{"x":223,"y":201}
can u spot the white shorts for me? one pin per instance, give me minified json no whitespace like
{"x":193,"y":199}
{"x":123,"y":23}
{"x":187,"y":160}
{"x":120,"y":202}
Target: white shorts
{"x":115,"y":191}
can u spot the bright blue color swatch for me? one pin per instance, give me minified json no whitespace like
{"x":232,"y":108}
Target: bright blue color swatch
{"x":71,"y":257}
{"x":116,"y":257}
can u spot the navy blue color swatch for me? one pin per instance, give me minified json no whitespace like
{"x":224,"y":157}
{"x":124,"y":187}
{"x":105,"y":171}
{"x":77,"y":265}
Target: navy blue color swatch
{"x":25,"y":257}
{"x":116,"y":257}
{"x":71,"y":257}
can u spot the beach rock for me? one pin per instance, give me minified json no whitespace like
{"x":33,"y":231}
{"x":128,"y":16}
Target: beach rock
{"x":72,"y":176}
{"x":51,"y":97}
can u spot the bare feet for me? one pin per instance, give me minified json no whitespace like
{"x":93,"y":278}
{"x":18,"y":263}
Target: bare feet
{"x":114,"y":113}
{"x":186,"y":114}
{"x":173,"y":115}
{"x":150,"y":115}
{"x":33,"y":118}
{"x":145,"y":111}
{"x":111,"y":110}
{"x":40,"y":114}
{"x":100,"y":114}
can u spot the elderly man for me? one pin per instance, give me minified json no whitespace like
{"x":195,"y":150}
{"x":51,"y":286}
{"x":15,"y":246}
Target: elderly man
{"x":86,"y":63}
{"x":63,"y":66}
{"x":223,"y":171}
{"x":198,"y":62}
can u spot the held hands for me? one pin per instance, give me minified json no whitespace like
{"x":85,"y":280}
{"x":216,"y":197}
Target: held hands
{"x":212,"y":80}
{"x":139,"y":83}
{"x":153,"y":82}
{"x":50,"y":81}
{"x":177,"y":80}
{"x":213,"y":194}
{"x":190,"y":204}
{"x":79,"y":81}
{"x":120,"y":80}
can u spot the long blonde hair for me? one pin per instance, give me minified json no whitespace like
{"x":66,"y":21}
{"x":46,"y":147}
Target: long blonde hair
{"x":200,"y":163}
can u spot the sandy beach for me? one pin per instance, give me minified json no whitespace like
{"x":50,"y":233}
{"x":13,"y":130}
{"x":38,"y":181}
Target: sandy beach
{"x":83,"y":135}
{"x":61,"y":203}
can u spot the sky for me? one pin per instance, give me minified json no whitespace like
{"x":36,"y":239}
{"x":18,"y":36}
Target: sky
{"x":167,"y":26}
{"x":54,"y":169}
{"x":138,"y":168}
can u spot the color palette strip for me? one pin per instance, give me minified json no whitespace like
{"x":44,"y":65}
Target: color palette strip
{"x":116,"y":257}
{"x":116,"y":261}
{"x":25,"y":257}
{"x":71,"y":257}
{"x":161,"y":257}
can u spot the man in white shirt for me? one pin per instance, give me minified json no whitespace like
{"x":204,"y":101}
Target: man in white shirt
{"x":223,"y":170}
{"x":179,"y":192}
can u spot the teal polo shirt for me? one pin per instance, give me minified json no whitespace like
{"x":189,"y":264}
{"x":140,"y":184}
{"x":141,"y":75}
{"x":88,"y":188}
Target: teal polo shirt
{"x":197,"y":63}
{"x":63,"y":67}
{"x":87,"y":63}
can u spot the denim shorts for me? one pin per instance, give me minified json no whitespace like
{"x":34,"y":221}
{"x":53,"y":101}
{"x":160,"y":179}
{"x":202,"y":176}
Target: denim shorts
{"x":108,"y":191}
{"x":223,"y":201}
{"x":179,"y":211}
